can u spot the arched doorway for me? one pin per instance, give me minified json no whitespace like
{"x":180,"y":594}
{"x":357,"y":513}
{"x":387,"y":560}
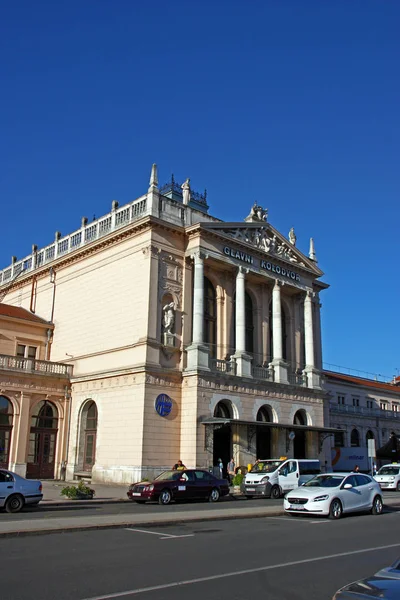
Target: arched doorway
{"x":299,"y":443}
{"x":42,"y":441}
{"x":6,"y":422}
{"x":88,"y":435}
{"x":222,"y":443}
{"x":369,"y":436}
{"x":263,"y":434}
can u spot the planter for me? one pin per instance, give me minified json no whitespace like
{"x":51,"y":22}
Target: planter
{"x":80,"y":496}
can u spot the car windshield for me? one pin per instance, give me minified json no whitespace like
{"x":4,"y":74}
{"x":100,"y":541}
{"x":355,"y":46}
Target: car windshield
{"x":169,"y":476}
{"x":389,"y":471}
{"x":325,"y":481}
{"x":266,"y":466}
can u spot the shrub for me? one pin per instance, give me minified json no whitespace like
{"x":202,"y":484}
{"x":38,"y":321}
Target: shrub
{"x":237,"y":480}
{"x":77,"y":491}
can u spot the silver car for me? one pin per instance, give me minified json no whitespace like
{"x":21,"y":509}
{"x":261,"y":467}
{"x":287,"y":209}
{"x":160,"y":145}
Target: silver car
{"x":15,"y":491}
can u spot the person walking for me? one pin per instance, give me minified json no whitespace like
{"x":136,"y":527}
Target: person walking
{"x":231,"y":470}
{"x":220,"y":465}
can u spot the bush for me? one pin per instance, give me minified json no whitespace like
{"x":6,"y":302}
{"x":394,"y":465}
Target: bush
{"x":77,"y":491}
{"x":237,"y":480}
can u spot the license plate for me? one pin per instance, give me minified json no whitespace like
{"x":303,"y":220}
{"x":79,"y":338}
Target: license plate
{"x":136,"y":494}
{"x":250,"y":489}
{"x":295,"y":507}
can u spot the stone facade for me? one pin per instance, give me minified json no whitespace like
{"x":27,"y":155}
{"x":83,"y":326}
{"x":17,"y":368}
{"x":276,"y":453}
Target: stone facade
{"x":160,"y":304}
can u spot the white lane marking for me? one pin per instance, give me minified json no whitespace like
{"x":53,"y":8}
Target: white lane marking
{"x":236,"y":573}
{"x":321,"y":521}
{"x":174,"y":537}
{"x":162,"y":535}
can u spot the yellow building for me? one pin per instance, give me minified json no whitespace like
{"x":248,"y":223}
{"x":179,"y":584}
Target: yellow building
{"x":189,"y":337}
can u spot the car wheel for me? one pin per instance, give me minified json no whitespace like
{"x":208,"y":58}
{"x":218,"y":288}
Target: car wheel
{"x":140,"y":501}
{"x":14,"y":503}
{"x":165,"y":497}
{"x":335,"y":509}
{"x":276,"y":492}
{"x":377,"y":506}
{"x":214,"y":496}
{"x":398,"y":487}
{"x":249,"y":497}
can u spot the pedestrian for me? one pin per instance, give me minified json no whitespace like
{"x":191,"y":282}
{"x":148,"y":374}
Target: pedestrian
{"x":179,"y":466}
{"x":231,"y":470}
{"x":221,"y":468}
{"x":356,"y":469}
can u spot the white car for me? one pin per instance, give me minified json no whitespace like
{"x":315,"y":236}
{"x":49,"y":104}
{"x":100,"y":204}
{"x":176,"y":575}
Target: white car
{"x":333,"y":494}
{"x":388,"y":477}
{"x":16,"y":491}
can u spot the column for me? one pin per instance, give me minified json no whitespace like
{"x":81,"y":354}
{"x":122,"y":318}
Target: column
{"x":240,"y":324}
{"x":243,"y":360}
{"x":312,"y":374}
{"x":279,"y":365}
{"x":198,"y":299}
{"x":197,"y":353}
{"x":20,"y":433}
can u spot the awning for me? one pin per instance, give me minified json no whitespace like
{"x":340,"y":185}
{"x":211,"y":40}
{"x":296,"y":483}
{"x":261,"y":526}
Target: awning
{"x":272,"y":425}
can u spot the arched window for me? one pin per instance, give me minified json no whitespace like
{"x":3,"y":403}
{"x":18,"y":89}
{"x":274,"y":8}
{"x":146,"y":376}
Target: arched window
{"x":89,"y":431}
{"x":210,"y":317}
{"x":44,"y":416}
{"x":369,"y":436}
{"x":300,"y":418}
{"x":6,"y":420}
{"x":223,"y":410}
{"x":354,"y":438}
{"x":264,"y":415}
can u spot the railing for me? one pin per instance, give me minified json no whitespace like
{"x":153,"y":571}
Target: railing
{"x":363,"y":410}
{"x":30,"y":365}
{"x":223,"y":366}
{"x":263,"y":373}
{"x":297,"y":378}
{"x":118,"y":217}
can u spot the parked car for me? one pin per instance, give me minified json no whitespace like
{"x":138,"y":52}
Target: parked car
{"x":180,"y":485}
{"x":333,"y":494}
{"x":16,"y":491}
{"x":385,"y":584}
{"x":272,"y":478}
{"x":388,"y":477}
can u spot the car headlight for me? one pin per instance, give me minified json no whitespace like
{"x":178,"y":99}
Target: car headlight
{"x":149,"y":488}
{"x":392,"y":478}
{"x":321,"y":498}
{"x":264,"y":479}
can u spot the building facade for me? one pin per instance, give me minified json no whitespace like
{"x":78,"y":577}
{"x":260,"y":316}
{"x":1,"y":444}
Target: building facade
{"x":189,"y":337}
{"x":363,"y":409}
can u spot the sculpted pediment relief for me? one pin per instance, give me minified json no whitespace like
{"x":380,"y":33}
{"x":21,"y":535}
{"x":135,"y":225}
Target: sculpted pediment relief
{"x":263,"y":237}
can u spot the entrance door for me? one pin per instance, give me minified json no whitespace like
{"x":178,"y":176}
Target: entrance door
{"x":90,"y":450}
{"x":263,"y":443}
{"x":222,"y":446}
{"x":42,"y":441}
{"x":299,"y":444}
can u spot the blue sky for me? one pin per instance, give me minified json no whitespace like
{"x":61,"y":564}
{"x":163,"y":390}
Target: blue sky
{"x":290,"y":103}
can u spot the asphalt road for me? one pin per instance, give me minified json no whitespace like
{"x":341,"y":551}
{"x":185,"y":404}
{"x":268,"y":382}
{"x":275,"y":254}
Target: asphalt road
{"x":277,"y":558}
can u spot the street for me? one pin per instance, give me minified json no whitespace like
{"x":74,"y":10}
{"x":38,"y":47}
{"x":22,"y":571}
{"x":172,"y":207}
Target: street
{"x":275,"y":557}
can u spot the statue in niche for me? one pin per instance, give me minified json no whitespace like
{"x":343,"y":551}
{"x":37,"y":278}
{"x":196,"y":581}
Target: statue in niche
{"x":292,"y":237}
{"x":169,"y":317}
{"x":186,"y":191}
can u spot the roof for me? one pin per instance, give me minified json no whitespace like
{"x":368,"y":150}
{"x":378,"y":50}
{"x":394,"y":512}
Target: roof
{"x":16,"y":312}
{"x":377,"y":385}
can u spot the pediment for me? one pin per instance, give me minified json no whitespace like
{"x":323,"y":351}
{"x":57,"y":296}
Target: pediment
{"x":263,"y":238}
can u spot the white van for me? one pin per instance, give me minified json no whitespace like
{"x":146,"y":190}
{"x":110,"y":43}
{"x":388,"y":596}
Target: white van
{"x":274,"y":477}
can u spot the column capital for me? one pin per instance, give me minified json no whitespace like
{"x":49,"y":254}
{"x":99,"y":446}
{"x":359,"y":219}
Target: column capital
{"x":198,"y":256}
{"x":242,"y":271}
{"x":278,"y":283}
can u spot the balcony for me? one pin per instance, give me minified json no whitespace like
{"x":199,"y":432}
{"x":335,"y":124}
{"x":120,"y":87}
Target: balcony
{"x":35,"y":367}
{"x":229,"y":367}
{"x":223,"y":366}
{"x":362,"y":411}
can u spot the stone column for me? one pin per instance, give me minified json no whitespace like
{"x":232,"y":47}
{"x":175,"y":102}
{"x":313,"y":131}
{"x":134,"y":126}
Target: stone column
{"x":317,"y":332}
{"x":279,"y":365}
{"x":20,"y":433}
{"x":312,"y":374}
{"x":197,"y":352}
{"x":243,"y":360}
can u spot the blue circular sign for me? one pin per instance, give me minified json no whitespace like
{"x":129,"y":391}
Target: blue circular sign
{"x":163,"y":405}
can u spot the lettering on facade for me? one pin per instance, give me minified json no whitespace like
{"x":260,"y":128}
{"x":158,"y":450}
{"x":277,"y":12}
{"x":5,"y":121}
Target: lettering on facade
{"x":264,"y":264}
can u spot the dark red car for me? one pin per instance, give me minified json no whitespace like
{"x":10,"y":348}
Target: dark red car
{"x":190,"y":484}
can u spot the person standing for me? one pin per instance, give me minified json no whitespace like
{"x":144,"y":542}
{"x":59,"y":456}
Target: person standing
{"x":220,"y":465}
{"x":356,"y":469}
{"x":231,"y":470}
{"x":179,"y":466}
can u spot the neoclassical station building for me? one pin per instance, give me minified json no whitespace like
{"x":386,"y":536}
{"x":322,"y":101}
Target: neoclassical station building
{"x":174,"y":335}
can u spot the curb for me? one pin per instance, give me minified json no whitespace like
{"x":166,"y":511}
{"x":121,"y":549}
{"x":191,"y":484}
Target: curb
{"x":58,"y":503}
{"x":142,"y":523}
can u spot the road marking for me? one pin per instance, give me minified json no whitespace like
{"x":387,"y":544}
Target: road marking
{"x":293,"y":563}
{"x":162,"y":536}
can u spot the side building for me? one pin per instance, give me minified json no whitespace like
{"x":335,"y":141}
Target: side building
{"x":189,"y":337}
{"x":362,"y":409}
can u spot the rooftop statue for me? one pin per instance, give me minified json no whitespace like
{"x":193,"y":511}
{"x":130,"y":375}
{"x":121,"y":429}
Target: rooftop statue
{"x":257,"y":214}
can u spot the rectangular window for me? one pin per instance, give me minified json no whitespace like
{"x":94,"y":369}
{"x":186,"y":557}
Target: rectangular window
{"x":383,"y":405}
{"x":20,"y":351}
{"x":339,"y":440}
{"x":26,"y":351}
{"x":340,"y":400}
{"x":370,"y":404}
{"x":32,"y":352}
{"x":356,"y":401}
{"x":395,"y":407}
